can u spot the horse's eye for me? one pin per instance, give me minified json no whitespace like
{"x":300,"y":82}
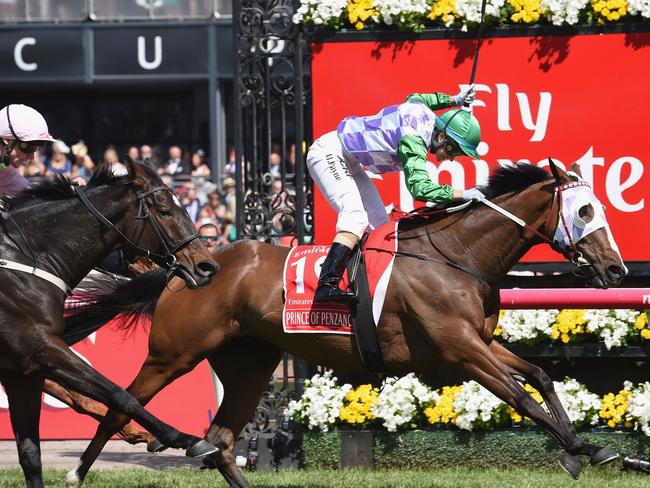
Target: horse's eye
{"x":586,"y":213}
{"x":165,"y":211}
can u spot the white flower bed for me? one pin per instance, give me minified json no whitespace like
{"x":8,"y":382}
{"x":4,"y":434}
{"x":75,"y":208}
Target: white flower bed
{"x":526,"y":325}
{"x":611,"y":326}
{"x":399,"y":400}
{"x":473,"y":404}
{"x":321,"y":402}
{"x":581,"y":405}
{"x":639,"y":405}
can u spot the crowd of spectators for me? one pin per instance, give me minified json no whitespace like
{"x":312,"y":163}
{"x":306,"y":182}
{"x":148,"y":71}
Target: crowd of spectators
{"x":211,"y":207}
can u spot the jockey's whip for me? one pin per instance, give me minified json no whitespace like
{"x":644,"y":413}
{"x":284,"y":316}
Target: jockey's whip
{"x":478,"y":42}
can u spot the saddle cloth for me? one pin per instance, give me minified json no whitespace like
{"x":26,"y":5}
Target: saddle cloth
{"x":300,"y":279}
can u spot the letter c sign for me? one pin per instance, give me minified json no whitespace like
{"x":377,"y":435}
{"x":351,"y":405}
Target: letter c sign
{"x":18,"y":54}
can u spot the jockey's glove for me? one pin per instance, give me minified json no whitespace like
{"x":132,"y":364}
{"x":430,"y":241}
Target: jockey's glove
{"x":465,"y":96}
{"x":473,"y":194}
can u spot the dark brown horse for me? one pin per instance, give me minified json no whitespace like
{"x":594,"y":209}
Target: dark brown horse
{"x":50,"y":239}
{"x":435,"y":317}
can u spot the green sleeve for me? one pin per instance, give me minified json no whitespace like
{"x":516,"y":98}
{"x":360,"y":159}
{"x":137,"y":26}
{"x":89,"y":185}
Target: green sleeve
{"x":413,"y":153}
{"x":435,"y":101}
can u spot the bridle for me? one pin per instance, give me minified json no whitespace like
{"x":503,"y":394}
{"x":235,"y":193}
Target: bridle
{"x":167,"y":259}
{"x":570,"y":252}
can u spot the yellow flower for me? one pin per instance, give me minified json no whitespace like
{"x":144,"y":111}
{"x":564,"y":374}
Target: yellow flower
{"x":359,"y":11}
{"x":357,"y":405}
{"x":568,"y":322}
{"x":445,"y":11}
{"x":614,"y":408}
{"x":609,"y":10}
{"x":443,"y":412}
{"x":641,"y":321}
{"x":645,"y":333}
{"x":526,"y":11}
{"x":497,"y":331}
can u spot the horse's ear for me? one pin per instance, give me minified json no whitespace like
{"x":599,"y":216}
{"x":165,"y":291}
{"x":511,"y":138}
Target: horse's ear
{"x":575,"y":169}
{"x":554,"y":170}
{"x":131,"y":165}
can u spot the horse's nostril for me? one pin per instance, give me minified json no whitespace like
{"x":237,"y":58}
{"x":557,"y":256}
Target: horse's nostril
{"x":206,"y":269}
{"x":615,"y":271}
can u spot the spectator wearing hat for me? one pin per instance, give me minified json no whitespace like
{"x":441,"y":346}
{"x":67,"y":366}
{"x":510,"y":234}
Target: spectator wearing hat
{"x":230,"y":195}
{"x":59,"y":162}
{"x":23,"y":131}
{"x":83,"y":164}
{"x":199,"y":166}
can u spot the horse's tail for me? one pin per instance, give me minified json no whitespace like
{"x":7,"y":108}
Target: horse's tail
{"x":102,"y":298}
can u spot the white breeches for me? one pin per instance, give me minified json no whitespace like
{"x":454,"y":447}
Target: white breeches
{"x":346,"y":186}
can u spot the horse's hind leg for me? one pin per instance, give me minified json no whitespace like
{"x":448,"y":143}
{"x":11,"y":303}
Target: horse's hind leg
{"x":539,"y":380}
{"x":87,"y":406}
{"x":244,"y":367}
{"x":24,"y":394}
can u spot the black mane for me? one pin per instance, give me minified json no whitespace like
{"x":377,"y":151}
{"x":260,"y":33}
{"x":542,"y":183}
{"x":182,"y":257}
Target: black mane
{"x":504,"y":179}
{"x":508,"y":179}
{"x":60,"y":187}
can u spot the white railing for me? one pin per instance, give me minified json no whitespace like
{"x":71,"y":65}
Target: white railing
{"x":12,"y":11}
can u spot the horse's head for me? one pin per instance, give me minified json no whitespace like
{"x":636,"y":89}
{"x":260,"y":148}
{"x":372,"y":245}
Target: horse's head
{"x":164,"y":231}
{"x":583,"y":232}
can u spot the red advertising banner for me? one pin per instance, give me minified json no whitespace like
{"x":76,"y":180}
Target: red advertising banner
{"x":574,"y":98}
{"x":188,"y":404}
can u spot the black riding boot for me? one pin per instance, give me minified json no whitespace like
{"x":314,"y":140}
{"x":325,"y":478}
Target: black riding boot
{"x":331,"y":273}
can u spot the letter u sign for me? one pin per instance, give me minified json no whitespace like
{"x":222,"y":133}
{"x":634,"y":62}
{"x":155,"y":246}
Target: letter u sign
{"x":142,"y":53}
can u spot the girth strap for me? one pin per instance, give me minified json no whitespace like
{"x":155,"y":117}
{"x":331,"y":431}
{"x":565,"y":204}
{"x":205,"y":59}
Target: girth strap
{"x":47,"y":276}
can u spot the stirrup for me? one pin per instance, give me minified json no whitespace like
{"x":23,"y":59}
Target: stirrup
{"x":330,"y":293}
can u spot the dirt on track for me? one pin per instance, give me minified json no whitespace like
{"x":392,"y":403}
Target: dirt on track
{"x":116,"y":455}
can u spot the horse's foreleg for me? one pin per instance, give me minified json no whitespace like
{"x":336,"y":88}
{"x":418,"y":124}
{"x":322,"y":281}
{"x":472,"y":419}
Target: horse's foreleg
{"x":87,"y":406}
{"x":24,"y":396}
{"x":475,"y":359}
{"x":539,"y":380}
{"x":244,"y":381}
{"x":152,"y":378}
{"x":64,"y":367}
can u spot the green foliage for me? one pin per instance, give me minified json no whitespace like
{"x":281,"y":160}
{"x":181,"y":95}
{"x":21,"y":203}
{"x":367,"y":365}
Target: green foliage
{"x":447,"y":449}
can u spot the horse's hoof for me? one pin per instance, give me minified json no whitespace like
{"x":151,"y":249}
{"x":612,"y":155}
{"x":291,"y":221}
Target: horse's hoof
{"x":603,"y":456}
{"x":155,"y":446}
{"x":200,"y":448}
{"x":209,"y":462}
{"x":571,"y":464}
{"x":72,"y":480}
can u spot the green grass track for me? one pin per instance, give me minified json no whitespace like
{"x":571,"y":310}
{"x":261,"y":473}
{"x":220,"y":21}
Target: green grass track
{"x":443,"y":478}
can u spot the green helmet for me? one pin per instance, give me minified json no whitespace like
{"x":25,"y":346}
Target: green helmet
{"x":463,"y":128}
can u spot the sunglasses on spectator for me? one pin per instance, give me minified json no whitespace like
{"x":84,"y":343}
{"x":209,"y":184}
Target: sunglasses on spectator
{"x":209,"y":238}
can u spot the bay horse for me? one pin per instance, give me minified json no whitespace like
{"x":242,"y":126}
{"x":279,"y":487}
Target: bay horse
{"x":436,"y":318}
{"x":52,"y":236}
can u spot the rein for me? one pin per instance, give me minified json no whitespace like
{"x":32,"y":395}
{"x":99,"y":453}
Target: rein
{"x":571,"y":253}
{"x":167,"y":260}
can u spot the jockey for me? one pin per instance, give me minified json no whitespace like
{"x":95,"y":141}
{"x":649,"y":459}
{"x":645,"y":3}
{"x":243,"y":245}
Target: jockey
{"x":398,"y":138}
{"x":22,"y":131}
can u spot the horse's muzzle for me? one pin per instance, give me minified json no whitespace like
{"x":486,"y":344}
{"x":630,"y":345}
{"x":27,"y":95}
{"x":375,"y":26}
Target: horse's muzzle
{"x":202,"y":275}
